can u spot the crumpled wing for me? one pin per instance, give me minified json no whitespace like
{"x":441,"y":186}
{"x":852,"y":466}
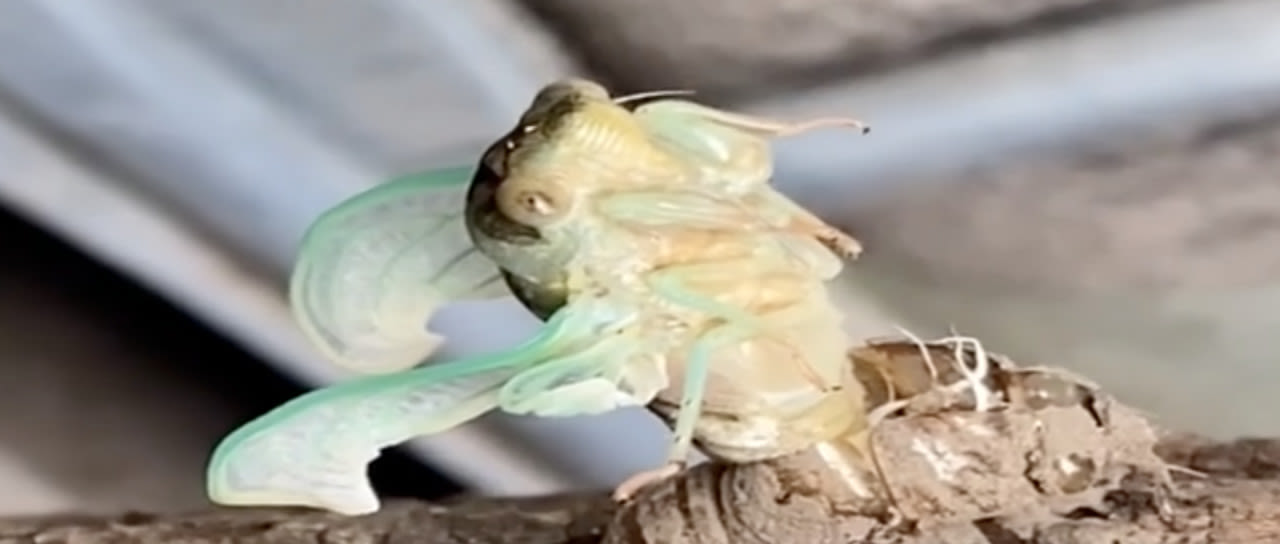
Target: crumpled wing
{"x":622,"y":363}
{"x":373,"y":269}
{"x":314,"y":450}
{"x":591,"y":381}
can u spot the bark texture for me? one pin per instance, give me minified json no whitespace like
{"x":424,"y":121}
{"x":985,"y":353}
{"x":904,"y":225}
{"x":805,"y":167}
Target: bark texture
{"x":1238,"y":501}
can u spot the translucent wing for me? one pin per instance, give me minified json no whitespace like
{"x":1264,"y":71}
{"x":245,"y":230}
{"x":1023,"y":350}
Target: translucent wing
{"x":774,"y":214}
{"x":374,"y":268}
{"x":313,"y":451}
{"x":622,"y":364}
{"x":692,"y":209}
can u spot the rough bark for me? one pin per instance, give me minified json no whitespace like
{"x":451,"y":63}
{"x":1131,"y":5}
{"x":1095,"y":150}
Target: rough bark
{"x":562,"y":519}
{"x":1239,"y":501}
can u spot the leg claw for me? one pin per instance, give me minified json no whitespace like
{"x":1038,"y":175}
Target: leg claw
{"x":629,"y":487}
{"x":842,"y":244}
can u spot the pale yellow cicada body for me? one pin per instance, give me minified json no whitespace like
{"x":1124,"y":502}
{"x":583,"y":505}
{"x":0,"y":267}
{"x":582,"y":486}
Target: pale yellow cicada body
{"x":650,"y":241}
{"x":669,"y":206}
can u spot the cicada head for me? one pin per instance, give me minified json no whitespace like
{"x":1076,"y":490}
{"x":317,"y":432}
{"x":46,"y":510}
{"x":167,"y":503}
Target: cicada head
{"x":536,"y":177}
{"x":573,"y":140}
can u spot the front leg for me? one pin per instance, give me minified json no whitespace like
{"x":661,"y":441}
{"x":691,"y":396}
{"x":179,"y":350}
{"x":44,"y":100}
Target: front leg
{"x":692,"y":121}
{"x":697,"y":368}
{"x":697,"y":210}
{"x":802,"y":221}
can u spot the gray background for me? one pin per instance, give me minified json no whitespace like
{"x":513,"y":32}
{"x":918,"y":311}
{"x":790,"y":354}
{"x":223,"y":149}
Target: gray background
{"x":1082,"y":182}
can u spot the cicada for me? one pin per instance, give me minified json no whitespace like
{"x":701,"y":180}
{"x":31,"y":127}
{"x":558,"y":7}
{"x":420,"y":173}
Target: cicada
{"x":648,"y":238}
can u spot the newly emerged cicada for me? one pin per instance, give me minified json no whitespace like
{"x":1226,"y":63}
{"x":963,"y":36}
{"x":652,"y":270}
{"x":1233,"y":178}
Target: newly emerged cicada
{"x":648,"y":238}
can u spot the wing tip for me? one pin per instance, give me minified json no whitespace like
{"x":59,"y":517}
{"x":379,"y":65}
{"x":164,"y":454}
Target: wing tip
{"x":355,"y":500}
{"x":292,"y":499}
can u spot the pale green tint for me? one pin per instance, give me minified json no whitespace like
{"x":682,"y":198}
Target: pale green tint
{"x":372,"y":271}
{"x":313,"y":450}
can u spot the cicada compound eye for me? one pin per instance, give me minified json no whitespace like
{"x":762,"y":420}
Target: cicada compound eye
{"x":534,"y":204}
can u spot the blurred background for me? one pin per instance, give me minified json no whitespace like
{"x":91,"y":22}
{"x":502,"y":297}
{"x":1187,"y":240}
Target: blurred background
{"x":1086,"y":183}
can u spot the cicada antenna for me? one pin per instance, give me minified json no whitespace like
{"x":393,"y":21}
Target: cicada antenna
{"x":646,"y":95}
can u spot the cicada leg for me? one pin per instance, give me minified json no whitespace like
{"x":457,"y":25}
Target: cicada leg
{"x":804,"y":222}
{"x":673,"y":284}
{"x":692,"y":118}
{"x":734,"y":148}
{"x":736,"y":144}
{"x":737,"y":325}
{"x":697,"y":369}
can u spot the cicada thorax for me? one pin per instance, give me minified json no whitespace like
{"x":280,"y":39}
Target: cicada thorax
{"x":761,"y":399}
{"x":774,"y":392}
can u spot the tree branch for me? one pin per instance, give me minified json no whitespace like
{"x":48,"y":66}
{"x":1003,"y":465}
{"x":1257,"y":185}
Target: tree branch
{"x":1238,"y":502}
{"x":560,"y":519}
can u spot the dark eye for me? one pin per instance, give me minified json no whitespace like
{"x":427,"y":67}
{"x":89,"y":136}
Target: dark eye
{"x":537,"y":202}
{"x":533,"y":204}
